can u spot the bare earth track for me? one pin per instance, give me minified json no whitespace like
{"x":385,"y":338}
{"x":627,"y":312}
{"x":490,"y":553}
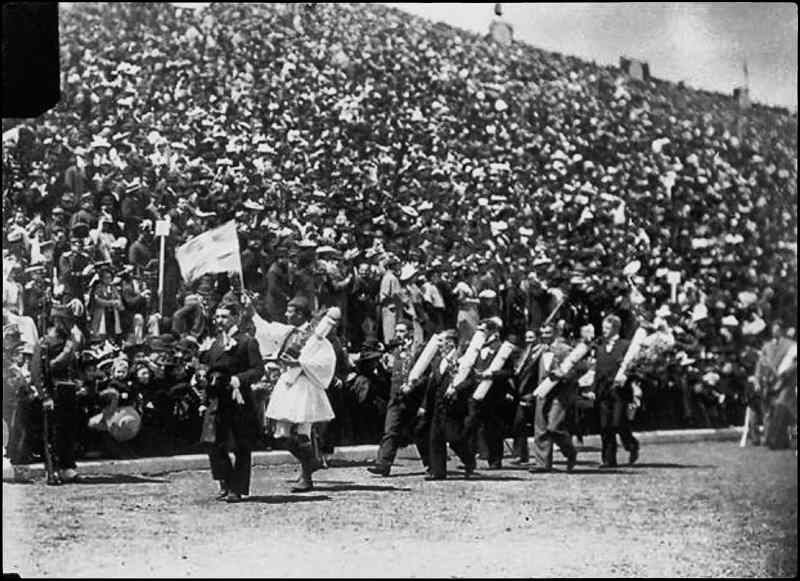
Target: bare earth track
{"x":698,"y":509}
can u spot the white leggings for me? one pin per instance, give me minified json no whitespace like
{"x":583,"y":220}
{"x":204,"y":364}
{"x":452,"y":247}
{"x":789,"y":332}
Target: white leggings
{"x":284,"y":429}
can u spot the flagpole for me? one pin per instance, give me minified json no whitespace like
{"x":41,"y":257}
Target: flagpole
{"x":161,"y":276}
{"x":162,"y":229}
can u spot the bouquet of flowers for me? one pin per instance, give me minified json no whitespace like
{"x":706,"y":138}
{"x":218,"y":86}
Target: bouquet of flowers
{"x":655,"y":355}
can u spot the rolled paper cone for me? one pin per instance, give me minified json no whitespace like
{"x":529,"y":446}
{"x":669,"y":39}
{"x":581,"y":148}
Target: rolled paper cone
{"x":496,"y":365}
{"x":577,"y":353}
{"x":424,"y":359}
{"x":328,"y":322}
{"x":470,"y":356}
{"x":788,"y":360}
{"x":633,"y":351}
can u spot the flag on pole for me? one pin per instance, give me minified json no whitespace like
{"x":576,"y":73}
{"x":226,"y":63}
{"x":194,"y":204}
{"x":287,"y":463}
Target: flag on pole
{"x":214,"y":251}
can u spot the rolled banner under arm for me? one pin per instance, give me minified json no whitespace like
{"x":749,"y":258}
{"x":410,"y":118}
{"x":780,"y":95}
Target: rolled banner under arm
{"x":578,"y":352}
{"x":631,"y":354}
{"x":496,"y":365}
{"x":328,"y":322}
{"x":469,"y":358}
{"x":788,"y":360}
{"x":317,"y":358}
{"x":424,"y":359}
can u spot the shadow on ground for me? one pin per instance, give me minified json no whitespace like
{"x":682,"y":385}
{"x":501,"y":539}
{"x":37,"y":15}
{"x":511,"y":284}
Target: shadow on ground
{"x":477,"y":477}
{"x":118,"y":479}
{"x":284,"y":499}
{"x":669,"y":465}
{"x":604,"y":472}
{"x":346,"y":486}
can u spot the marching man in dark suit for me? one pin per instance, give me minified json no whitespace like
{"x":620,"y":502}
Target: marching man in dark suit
{"x":613,"y":394}
{"x":404,"y":402}
{"x":487,"y":413}
{"x":234,"y":364}
{"x":551,"y":410}
{"x":446,"y":423}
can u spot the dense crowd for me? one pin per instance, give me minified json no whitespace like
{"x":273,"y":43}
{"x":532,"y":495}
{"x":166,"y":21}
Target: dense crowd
{"x":400,"y":170}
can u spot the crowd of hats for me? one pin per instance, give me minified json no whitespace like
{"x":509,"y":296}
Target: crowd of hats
{"x":368,"y":131}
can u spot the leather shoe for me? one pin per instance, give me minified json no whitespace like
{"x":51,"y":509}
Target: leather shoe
{"x":606,"y":466}
{"x":435,"y":477}
{"x":379,"y":470}
{"x":571,"y":461}
{"x":634,"y":455}
{"x":539,"y":469}
{"x":223,"y":494}
{"x":233,"y":497}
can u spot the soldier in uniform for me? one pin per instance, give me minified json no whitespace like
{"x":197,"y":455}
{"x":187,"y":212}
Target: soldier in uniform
{"x":404,"y":402}
{"x":234,"y":364}
{"x":18,"y":394}
{"x":72,"y":264}
{"x":62,"y":343}
{"x":37,"y":296}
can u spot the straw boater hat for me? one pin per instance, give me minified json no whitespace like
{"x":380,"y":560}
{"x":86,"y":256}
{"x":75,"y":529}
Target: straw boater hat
{"x":125,"y":424}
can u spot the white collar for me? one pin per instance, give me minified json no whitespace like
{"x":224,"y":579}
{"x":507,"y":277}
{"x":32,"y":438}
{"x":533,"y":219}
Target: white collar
{"x":227,"y":337}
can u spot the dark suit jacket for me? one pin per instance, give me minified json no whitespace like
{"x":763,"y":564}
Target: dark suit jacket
{"x":500,"y":382}
{"x":243,"y":361}
{"x":528,"y":377}
{"x":607,"y":366}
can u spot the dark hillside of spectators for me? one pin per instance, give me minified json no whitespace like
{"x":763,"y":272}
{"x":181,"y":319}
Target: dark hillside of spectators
{"x":385,"y":125}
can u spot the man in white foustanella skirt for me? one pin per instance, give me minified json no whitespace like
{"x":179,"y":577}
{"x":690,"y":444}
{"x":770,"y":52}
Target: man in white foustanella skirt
{"x":307,"y":361}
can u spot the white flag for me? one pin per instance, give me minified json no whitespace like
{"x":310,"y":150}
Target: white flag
{"x":214,"y":251}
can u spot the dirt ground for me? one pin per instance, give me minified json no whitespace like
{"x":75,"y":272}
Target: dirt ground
{"x":707,"y":509}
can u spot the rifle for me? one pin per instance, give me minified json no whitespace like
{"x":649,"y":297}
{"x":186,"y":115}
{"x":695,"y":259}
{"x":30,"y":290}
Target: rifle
{"x":47,"y":444}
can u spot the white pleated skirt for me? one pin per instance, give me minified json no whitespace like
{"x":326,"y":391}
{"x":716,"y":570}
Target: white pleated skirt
{"x":299,"y":401}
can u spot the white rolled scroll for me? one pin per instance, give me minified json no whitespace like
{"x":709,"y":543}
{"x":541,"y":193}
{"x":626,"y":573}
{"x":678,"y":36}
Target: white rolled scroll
{"x":328,"y":322}
{"x":424,"y":359}
{"x":496,"y":365}
{"x":631,"y":354}
{"x":578,"y":352}
{"x":470,"y":356}
{"x":788,"y":360}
